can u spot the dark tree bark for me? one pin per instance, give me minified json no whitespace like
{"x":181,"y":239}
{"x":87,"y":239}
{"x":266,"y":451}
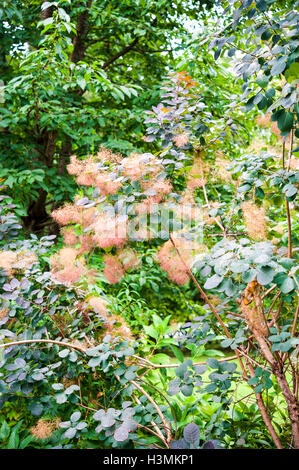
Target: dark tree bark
{"x":79,"y":48}
{"x":81,"y":33}
{"x":65,"y":152}
{"x":47,"y":12}
{"x":37,"y":213}
{"x":46,"y":143}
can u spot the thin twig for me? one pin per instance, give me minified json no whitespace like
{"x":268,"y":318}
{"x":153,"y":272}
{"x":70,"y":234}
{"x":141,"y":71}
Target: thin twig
{"x":295,"y":321}
{"x":166,"y":399}
{"x":166,"y":366}
{"x":59,"y":343}
{"x":204,"y":295}
{"x":165,"y":423}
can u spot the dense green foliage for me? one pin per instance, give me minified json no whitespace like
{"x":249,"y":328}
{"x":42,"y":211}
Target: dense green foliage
{"x":77,"y":74}
{"x":163,"y":312}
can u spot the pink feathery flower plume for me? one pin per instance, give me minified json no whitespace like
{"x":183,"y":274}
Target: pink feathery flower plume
{"x":181,"y":140}
{"x":67,"y":214}
{"x":114,"y":324}
{"x":137,"y":166}
{"x":88,"y":173}
{"x":75,"y":166}
{"x":69,"y":236}
{"x":109,"y":231}
{"x":149,"y":205}
{"x":129,"y":259}
{"x":161,"y":187}
{"x":66,"y":268}
{"x":117,"y":265}
{"x":114,"y":270}
{"x":86,"y":179}
{"x":106,"y":184}
{"x":170,"y":261}
{"x":73,"y":214}
{"x":98,"y":304}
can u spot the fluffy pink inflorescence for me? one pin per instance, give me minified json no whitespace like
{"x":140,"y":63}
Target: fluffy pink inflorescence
{"x":86,"y":244}
{"x":196,"y":176}
{"x":72,"y":214}
{"x":86,"y":179}
{"x":88,"y":173}
{"x":69,"y":236}
{"x":11,"y":261}
{"x":129,"y":259}
{"x":161,"y":187}
{"x":180,"y":140}
{"x":117,"y":265}
{"x":114,"y":270}
{"x":137,"y":166}
{"x":75,"y":166}
{"x":98,"y":304}
{"x":188,"y":209}
{"x":88,"y":216}
{"x":109,"y":231}
{"x":294,"y":163}
{"x":170,"y":261}
{"x":142,"y":233}
{"x":106,"y":185}
{"x":69,"y":275}
{"x":195,"y":182}
{"x":66,"y":268}
{"x":106,"y":155}
{"x":67,"y":214}
{"x":148,"y":205}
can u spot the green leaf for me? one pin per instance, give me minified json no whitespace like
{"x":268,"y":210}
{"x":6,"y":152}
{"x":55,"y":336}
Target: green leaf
{"x":285,"y":121}
{"x":262,"y":81}
{"x":265,"y":275}
{"x":292,"y":73}
{"x":70,"y":433}
{"x":24,"y":443}
{"x":213,"y":363}
{"x":244,"y":188}
{"x":249,"y":275}
{"x":285,"y":347}
{"x":95,"y":361}
{"x":130,"y":375}
{"x":82,"y":83}
{"x":64,"y":353}
{"x":75,"y":416}
{"x":178,"y":354}
{"x":180,"y":371}
{"x":213,"y":282}
{"x":60,"y":398}
{"x":288,"y":285}
{"x":261,"y":5}
{"x":239,"y":266}
{"x":287,"y":263}
{"x":150,"y":331}
{"x":278,"y":66}
{"x":290,"y":190}
{"x":226,"y":343}
{"x":187,"y":390}
{"x":13,"y":441}
{"x":36,"y":409}
{"x":253,"y":381}
{"x":4,"y":431}
{"x":259,"y":388}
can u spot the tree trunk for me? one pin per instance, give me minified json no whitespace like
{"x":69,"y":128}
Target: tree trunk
{"x":81,"y":32}
{"x":292,"y":404}
{"x":46,"y":142}
{"x":37,"y":213}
